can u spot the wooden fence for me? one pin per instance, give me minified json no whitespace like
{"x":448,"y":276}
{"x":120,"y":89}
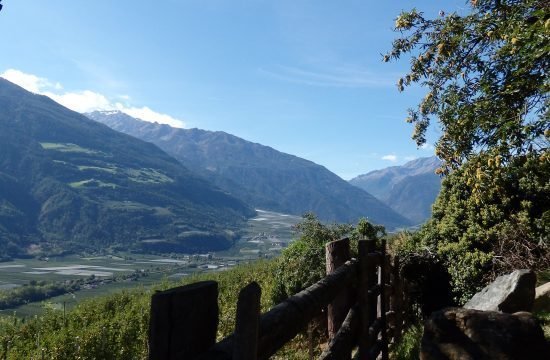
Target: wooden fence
{"x":364,"y":300}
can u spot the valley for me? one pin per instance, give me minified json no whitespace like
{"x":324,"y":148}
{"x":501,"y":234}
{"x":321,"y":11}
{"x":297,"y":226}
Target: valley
{"x":264,"y":236}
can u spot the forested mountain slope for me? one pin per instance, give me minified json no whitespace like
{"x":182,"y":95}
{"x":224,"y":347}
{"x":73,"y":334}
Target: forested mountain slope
{"x":258,"y":174}
{"x":68,"y":183}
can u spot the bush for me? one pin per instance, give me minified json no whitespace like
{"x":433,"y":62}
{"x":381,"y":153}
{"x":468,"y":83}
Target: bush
{"x":303,"y":263}
{"x":491,"y":217}
{"x":409,"y":346}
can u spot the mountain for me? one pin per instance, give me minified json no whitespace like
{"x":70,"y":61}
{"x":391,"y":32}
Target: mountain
{"x":257,"y":174}
{"x":70,"y":183}
{"x":409,"y":189}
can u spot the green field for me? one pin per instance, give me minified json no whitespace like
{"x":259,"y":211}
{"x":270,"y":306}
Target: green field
{"x":67,"y":147}
{"x":264,"y":236}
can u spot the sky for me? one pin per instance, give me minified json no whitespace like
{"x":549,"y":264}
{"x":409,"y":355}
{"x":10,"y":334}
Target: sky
{"x":304,"y":77}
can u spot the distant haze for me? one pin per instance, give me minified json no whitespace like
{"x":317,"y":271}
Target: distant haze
{"x":409,"y":189}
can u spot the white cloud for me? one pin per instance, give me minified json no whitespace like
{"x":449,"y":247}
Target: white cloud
{"x":410,"y":158}
{"x":390,"y":157}
{"x":81,"y":101}
{"x":29,"y":82}
{"x":145,"y":113}
{"x":85,"y":100}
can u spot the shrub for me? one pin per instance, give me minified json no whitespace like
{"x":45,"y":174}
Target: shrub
{"x":303,"y":263}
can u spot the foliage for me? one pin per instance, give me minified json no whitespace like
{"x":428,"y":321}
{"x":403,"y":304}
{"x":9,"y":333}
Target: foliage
{"x":486,"y":75}
{"x":115,"y":327}
{"x":110,"y":328}
{"x":303,"y":263}
{"x":33,"y":292}
{"x":490,"y":218}
{"x":544,"y":319}
{"x":408,"y":348}
{"x":487,"y":81}
{"x":367,"y":230}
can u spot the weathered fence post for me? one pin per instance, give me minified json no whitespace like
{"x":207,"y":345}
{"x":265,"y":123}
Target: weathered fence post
{"x":337,"y":253}
{"x":383,"y":281}
{"x":367,"y":303}
{"x":245,"y":346}
{"x":342,"y":344}
{"x":397,"y":302}
{"x":184,"y":321}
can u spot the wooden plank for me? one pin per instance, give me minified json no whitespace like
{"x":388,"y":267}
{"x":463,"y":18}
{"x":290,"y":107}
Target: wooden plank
{"x":383,"y":298}
{"x":375,"y":350}
{"x":367,"y":303}
{"x":397,"y":299}
{"x":285,"y":320}
{"x":362,"y":298}
{"x":374,"y":258}
{"x":184,"y":321}
{"x":337,"y":253}
{"x":374,"y":331}
{"x":245,"y":346}
{"x":342,"y":344}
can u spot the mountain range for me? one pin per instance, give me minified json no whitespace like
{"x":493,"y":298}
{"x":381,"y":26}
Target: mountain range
{"x":67,"y":182}
{"x":70,"y":182}
{"x":409,"y":189}
{"x":259,"y":175}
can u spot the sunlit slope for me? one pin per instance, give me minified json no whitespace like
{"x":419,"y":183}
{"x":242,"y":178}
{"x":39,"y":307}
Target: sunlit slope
{"x":409,"y":189}
{"x":68,"y":183}
{"x":258,"y":174}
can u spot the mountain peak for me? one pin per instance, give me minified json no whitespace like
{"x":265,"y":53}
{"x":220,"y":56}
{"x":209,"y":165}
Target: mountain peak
{"x":81,"y":185}
{"x":409,"y":189}
{"x":109,"y":112}
{"x":259,"y":175}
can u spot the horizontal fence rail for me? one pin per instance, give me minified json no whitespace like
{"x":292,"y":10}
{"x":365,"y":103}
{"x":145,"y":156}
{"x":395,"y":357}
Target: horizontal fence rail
{"x":363,"y":299}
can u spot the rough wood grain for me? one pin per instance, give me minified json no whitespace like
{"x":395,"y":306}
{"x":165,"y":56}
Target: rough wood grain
{"x":184,"y":321}
{"x":384,"y":279}
{"x":342,"y":344}
{"x":337,"y":253}
{"x":285,"y":320}
{"x":367,"y":303}
{"x":245,"y":346}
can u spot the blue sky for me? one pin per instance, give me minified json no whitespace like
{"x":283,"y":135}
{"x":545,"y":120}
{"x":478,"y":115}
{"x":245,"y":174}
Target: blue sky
{"x":304,"y":77}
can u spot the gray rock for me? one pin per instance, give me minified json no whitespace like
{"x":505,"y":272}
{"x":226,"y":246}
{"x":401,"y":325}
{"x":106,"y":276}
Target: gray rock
{"x":458,"y":333}
{"x":508,"y":293}
{"x":542,"y":298}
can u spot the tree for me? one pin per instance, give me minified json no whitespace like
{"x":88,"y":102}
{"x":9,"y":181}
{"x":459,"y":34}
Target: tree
{"x":303,"y":263}
{"x":486,"y":74}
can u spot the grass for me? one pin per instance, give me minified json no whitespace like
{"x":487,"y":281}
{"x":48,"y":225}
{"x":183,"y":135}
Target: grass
{"x":67,"y":147}
{"x":544,"y":320}
{"x":111,"y":170}
{"x":147,"y":176}
{"x":91,"y":183}
{"x":543,"y":277}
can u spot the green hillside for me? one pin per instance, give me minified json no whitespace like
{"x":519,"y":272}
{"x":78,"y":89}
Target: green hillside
{"x":68,"y":183}
{"x":258,"y":174}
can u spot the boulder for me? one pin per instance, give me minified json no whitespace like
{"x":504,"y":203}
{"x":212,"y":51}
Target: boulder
{"x":458,"y":333}
{"x":542,"y":298}
{"x":508,"y":293}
